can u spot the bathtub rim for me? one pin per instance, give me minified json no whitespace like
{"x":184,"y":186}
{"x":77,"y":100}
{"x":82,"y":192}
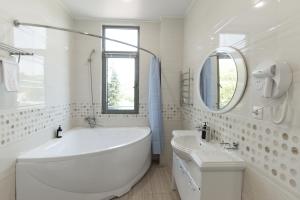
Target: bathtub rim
{"x":26,"y":159}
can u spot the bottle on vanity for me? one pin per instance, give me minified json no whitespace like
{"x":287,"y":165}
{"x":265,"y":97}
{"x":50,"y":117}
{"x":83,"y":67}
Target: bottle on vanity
{"x":59,"y":132}
{"x":205,"y":132}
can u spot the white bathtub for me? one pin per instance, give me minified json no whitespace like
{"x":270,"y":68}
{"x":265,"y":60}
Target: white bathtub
{"x":86,"y":164}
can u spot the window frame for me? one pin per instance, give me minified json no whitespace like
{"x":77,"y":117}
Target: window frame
{"x":120,"y":54}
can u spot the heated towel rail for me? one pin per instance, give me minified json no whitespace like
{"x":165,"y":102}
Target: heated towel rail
{"x":186,"y":82}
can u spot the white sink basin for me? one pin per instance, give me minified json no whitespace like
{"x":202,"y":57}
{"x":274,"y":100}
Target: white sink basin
{"x":188,"y":146}
{"x":185,"y":145}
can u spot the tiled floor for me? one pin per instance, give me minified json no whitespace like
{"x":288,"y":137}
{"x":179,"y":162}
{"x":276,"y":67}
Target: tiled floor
{"x":156,"y":185}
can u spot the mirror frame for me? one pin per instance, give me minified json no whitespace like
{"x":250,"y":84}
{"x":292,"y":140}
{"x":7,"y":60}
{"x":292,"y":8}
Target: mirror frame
{"x":242,"y":78}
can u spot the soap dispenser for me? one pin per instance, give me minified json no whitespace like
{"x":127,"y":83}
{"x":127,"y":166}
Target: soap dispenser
{"x":204,"y":131}
{"x":59,"y":132}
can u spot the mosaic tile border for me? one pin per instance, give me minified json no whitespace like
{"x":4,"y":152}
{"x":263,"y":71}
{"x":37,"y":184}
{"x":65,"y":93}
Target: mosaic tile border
{"x":18,"y":124}
{"x":82,"y":110}
{"x":272,"y":149}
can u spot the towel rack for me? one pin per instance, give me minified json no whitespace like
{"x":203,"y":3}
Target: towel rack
{"x":13,"y":51}
{"x":186,"y":81}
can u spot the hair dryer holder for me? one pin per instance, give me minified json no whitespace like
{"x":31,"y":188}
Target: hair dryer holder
{"x":273,"y":79}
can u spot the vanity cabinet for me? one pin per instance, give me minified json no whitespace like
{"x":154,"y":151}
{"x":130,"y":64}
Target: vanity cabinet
{"x":187,"y":185}
{"x":207,"y":184}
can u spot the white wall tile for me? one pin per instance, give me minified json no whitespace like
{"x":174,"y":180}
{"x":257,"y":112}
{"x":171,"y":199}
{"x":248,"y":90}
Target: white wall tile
{"x":266,"y":33}
{"x":23,"y":128}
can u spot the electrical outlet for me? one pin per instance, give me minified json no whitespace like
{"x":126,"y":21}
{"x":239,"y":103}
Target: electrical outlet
{"x":258,"y":112}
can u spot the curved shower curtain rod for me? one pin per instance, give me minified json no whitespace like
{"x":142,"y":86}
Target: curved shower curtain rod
{"x":17,"y":23}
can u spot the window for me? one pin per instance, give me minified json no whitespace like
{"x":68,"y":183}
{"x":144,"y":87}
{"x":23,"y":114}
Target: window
{"x":120,"y":70}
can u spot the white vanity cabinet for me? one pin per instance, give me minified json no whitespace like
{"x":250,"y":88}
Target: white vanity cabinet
{"x":206,"y":184}
{"x":205,"y":171}
{"x":187,"y":185}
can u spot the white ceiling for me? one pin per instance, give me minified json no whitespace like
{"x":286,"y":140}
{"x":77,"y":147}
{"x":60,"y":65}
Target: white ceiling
{"x":126,"y":9}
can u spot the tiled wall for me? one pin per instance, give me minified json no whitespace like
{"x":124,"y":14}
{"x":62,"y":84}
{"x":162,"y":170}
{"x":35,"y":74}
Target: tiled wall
{"x":23,"y":128}
{"x":83,"y":110}
{"x":271,"y":149}
{"x":264,"y":32}
{"x":16,"y":125}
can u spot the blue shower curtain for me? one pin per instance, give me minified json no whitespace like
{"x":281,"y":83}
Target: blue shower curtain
{"x":154,"y":106}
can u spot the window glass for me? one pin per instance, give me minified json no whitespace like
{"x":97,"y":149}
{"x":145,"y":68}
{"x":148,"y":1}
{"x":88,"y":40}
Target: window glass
{"x":120,"y":71}
{"x":125,"y":35}
{"x":120,"y":83}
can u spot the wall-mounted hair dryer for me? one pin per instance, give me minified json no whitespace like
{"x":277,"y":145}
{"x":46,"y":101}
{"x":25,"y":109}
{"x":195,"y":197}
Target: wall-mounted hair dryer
{"x":266,"y":73}
{"x":273,"y":79}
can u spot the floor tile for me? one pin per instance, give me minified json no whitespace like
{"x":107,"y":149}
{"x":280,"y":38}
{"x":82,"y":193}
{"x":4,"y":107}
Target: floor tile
{"x":155,"y":185}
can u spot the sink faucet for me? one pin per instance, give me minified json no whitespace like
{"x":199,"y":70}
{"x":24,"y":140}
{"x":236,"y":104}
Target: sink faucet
{"x":225,"y":143}
{"x":233,"y":146}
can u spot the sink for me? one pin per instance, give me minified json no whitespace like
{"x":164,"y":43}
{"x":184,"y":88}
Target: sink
{"x":184,"y":146}
{"x":188,"y":146}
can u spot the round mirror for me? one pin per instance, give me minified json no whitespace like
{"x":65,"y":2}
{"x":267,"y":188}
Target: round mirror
{"x":222,"y":80}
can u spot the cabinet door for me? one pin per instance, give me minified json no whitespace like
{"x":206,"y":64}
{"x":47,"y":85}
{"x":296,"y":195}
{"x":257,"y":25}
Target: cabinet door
{"x":187,"y":188}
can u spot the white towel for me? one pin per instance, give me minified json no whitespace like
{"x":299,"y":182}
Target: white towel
{"x":10,"y":74}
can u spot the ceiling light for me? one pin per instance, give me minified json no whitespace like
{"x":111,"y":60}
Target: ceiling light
{"x":259,"y":4}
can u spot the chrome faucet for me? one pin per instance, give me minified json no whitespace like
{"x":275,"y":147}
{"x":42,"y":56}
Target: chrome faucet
{"x":91,"y":121}
{"x":225,"y":143}
{"x":229,"y":146}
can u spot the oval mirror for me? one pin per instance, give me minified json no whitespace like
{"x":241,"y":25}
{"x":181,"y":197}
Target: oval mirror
{"x":222,"y":80}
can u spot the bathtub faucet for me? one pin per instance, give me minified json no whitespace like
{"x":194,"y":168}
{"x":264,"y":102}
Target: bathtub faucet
{"x":91,"y":121}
